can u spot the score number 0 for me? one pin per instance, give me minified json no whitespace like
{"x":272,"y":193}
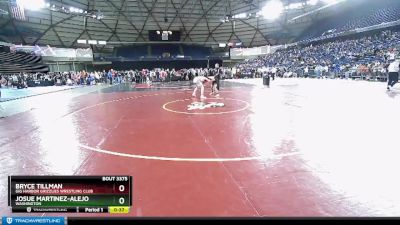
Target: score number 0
{"x":121,"y":188}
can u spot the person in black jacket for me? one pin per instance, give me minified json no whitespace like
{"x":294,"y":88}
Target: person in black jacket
{"x":393,"y":77}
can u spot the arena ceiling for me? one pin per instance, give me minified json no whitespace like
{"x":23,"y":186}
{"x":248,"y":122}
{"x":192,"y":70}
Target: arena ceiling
{"x":128,"y":21}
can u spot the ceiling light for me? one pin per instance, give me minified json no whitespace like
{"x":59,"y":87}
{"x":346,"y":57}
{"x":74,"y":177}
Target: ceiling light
{"x":92,"y":42}
{"x":31,"y":4}
{"x":240,"y":16}
{"x":272,"y":10}
{"x":329,"y":1}
{"x":294,"y":5}
{"x":312,"y":2}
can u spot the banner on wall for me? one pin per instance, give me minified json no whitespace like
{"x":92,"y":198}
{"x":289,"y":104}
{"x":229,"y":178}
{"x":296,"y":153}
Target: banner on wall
{"x":55,"y":54}
{"x":245,"y":53}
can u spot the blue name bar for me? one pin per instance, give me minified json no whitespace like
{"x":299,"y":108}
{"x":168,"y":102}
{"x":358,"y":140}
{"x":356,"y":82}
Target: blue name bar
{"x":32,"y":220}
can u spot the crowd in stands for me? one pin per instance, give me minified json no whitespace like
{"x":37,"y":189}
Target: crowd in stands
{"x":368,"y":13}
{"x":24,"y":80}
{"x":146,"y":75}
{"x":365,"y":58}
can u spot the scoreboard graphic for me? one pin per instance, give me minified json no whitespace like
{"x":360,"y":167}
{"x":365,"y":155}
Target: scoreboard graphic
{"x":70,"y":194}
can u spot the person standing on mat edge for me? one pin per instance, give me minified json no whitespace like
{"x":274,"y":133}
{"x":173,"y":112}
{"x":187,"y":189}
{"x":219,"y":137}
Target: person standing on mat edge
{"x":3,"y":81}
{"x":199,"y":81}
{"x":393,"y":77}
{"x":215,"y":83}
{"x":110,"y":76}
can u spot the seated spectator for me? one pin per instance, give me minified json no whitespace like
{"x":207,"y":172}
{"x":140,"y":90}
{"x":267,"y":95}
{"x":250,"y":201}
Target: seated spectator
{"x":337,"y":57}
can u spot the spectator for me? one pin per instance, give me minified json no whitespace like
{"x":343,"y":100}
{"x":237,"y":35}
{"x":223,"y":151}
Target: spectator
{"x":339,"y":56}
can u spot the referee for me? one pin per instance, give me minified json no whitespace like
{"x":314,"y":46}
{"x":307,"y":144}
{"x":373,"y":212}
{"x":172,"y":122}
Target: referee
{"x":217,"y":77}
{"x":393,"y":73}
{"x":2,"y":82}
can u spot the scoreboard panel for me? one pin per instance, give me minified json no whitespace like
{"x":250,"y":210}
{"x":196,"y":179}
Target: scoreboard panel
{"x":156,"y":35}
{"x":70,"y":194}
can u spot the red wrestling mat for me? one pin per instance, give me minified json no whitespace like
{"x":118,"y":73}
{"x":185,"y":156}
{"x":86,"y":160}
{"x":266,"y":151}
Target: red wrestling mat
{"x":241,"y":154}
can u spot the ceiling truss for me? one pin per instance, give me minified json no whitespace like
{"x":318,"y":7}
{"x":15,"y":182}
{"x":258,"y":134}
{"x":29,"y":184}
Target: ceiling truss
{"x":128,"y":21}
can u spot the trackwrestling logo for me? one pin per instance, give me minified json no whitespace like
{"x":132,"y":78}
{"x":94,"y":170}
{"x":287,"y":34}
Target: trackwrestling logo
{"x":202,"y":105}
{"x":33,"y":220}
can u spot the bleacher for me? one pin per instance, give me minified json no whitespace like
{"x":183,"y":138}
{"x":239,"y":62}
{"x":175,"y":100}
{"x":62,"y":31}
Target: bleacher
{"x":165,"y":50}
{"x":356,"y":57}
{"x":132,"y":52}
{"x":12,"y":63}
{"x":196,"y":52}
{"x":160,"y":51}
{"x":371,"y":13}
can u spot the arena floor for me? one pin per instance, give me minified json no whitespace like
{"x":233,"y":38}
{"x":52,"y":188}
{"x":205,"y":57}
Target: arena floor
{"x":302,"y":147}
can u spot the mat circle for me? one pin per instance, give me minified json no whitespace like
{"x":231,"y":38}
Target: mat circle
{"x":167,"y":107}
